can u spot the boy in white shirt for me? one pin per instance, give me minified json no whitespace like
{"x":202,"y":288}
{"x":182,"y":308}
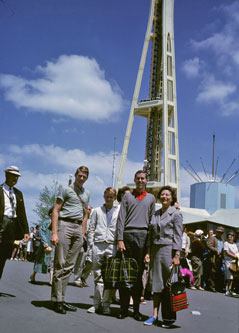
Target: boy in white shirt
{"x":102,"y":230}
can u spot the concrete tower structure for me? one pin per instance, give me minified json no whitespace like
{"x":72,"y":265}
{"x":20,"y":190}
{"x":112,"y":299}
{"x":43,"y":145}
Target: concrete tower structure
{"x":160,"y":108}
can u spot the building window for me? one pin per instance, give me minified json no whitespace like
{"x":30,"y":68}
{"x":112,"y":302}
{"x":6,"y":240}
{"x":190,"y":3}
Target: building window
{"x":169,"y":44}
{"x":223,"y":201}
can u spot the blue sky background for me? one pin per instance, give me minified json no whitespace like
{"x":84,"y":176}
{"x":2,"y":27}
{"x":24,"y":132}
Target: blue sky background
{"x":67,"y":75}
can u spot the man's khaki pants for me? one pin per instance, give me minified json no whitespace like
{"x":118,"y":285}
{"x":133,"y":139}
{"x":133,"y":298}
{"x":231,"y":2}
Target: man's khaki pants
{"x":70,"y":241}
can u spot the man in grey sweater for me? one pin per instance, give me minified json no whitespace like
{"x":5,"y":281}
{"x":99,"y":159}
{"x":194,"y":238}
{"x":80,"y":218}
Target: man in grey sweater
{"x":134,"y":217}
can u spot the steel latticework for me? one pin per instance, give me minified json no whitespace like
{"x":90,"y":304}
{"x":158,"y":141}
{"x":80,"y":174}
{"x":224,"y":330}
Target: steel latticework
{"x":160,"y":108}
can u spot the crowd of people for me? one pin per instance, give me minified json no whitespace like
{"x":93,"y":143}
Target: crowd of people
{"x":211,"y":258}
{"x":78,"y":239}
{"x":26,"y":251}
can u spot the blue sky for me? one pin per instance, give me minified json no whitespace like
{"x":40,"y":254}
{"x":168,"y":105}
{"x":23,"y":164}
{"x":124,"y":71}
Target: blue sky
{"x":67,"y":75}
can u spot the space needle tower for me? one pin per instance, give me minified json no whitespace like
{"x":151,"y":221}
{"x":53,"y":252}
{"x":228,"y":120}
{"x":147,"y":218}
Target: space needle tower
{"x":160,"y":107}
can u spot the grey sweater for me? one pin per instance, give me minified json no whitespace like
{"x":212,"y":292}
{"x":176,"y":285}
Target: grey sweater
{"x":134,"y":214}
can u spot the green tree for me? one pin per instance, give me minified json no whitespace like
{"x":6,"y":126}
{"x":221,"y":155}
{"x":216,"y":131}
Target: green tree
{"x":47,"y":199}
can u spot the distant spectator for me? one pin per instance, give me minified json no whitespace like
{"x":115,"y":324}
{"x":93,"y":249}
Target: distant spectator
{"x":230,"y":253}
{"x":216,"y":274}
{"x":237,"y":238}
{"x":43,"y":252}
{"x":36,"y":239}
{"x":23,"y":252}
{"x":30,"y":245}
{"x":197,"y":249}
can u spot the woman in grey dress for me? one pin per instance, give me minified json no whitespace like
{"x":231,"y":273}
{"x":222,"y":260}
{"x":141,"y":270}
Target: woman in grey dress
{"x":165,"y":244}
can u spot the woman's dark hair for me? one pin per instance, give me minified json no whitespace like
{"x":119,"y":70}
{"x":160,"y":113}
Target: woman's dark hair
{"x":173,"y":193}
{"x":121,"y":193}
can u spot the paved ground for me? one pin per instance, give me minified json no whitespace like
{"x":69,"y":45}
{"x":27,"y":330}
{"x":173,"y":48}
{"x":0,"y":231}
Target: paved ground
{"x":26,"y":308}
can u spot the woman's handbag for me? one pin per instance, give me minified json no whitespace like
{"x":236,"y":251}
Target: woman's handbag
{"x":177,"y":291}
{"x":234,"y":267}
{"x":119,"y":272}
{"x":48,"y":249}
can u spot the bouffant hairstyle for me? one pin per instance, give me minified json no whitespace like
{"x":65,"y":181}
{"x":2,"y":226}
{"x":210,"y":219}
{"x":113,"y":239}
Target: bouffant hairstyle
{"x":121,"y":193}
{"x":173,"y":193}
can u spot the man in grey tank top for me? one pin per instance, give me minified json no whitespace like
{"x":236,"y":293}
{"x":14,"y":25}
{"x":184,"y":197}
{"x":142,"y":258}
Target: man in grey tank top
{"x":69,"y":218}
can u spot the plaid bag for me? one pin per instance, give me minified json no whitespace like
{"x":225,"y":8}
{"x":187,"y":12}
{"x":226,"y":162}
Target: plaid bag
{"x":110,"y":271}
{"x":177,"y":291}
{"x":119,"y":271}
{"x":128,"y":272}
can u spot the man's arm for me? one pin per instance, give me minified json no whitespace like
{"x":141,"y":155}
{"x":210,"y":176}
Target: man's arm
{"x":152,"y":210}
{"x":85,"y":219}
{"x":120,"y":226}
{"x":54,"y":220}
{"x":92,"y":226}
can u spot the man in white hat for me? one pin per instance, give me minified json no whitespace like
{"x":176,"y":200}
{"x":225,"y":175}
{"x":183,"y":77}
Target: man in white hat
{"x":13,"y":220}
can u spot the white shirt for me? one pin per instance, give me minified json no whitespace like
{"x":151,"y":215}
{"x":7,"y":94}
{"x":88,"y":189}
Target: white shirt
{"x":231,"y":247}
{"x":9,"y":210}
{"x":185,"y":242}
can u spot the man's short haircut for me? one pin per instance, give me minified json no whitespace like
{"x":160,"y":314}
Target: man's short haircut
{"x":141,"y":171}
{"x":121,"y":193}
{"x":173,"y":193}
{"x":110,"y":190}
{"x":82,"y":169}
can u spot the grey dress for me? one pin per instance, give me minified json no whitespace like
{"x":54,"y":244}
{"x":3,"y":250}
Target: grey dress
{"x":165,"y":239}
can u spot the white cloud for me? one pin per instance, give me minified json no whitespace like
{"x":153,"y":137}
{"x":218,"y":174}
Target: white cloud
{"x":214,"y":90}
{"x":72,"y":86}
{"x":33,"y":159}
{"x":224,"y":43}
{"x":219,"y":55}
{"x":192,"y":67}
{"x":33,"y":180}
{"x":219,"y":42}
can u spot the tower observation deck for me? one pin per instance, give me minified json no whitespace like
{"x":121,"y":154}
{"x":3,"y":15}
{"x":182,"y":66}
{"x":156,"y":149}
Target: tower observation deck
{"x":160,"y":108}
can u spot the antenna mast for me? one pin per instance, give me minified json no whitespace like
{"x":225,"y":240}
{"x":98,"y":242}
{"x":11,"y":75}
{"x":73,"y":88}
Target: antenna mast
{"x":113,"y":168}
{"x":213,"y":150}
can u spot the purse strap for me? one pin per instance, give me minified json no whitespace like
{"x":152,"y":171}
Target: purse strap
{"x":79,"y":197}
{"x":124,"y":266}
{"x":179,"y":275}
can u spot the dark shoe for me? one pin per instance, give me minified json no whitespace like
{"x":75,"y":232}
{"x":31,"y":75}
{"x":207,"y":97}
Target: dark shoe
{"x":122,"y":315}
{"x":32,"y":279}
{"x":83,"y":283}
{"x":137,"y":316}
{"x":69,"y":307}
{"x":59,"y":308}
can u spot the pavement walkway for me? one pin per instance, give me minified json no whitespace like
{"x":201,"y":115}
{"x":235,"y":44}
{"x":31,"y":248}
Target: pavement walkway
{"x":25,"y":307}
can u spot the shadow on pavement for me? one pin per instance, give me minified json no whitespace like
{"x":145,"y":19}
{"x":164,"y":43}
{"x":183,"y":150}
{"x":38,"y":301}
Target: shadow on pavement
{"x":40,"y":283}
{"x":6,"y":295}
{"x":43,"y":304}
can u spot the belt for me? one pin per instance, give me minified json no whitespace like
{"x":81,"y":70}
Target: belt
{"x":68,"y":219}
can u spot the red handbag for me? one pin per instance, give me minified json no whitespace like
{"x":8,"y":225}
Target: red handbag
{"x":177,"y":291}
